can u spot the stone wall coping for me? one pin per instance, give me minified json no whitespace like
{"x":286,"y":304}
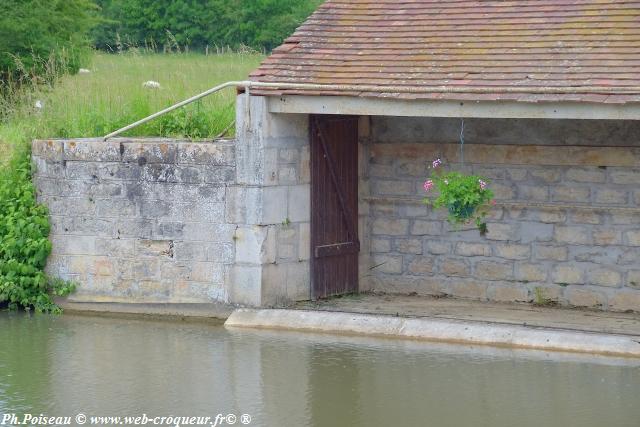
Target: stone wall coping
{"x":146,"y":150}
{"x":125,"y":140}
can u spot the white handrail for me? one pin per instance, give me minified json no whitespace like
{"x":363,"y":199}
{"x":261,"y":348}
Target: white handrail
{"x":173,"y":107}
{"x":604,"y":90}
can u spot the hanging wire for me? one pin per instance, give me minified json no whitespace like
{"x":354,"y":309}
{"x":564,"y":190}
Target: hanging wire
{"x":462,"y":141}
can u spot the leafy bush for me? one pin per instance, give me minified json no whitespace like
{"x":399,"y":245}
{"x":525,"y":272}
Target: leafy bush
{"x":260,"y":24}
{"x":24,"y":246}
{"x":43,"y":38}
{"x":189,"y":122}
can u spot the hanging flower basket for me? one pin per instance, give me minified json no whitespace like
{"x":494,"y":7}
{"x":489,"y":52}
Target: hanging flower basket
{"x":461,"y":210}
{"x":467,"y":198}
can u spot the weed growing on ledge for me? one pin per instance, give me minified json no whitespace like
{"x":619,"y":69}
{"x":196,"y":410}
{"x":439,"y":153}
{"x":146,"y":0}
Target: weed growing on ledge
{"x":541,"y":299}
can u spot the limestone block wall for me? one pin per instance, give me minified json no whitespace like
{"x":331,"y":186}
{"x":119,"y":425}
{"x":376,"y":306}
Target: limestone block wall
{"x":140,"y":220}
{"x":158,"y":220}
{"x":566,"y":227}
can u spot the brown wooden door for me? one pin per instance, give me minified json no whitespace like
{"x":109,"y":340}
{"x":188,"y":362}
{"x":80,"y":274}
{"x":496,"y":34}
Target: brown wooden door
{"x":334,"y":205}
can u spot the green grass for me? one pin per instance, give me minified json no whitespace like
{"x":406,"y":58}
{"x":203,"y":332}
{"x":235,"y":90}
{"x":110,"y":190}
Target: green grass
{"x":112,"y":96}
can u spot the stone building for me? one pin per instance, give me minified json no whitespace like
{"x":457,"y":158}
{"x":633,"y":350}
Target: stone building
{"x":321,"y":192}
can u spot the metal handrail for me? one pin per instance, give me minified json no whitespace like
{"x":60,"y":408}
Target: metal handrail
{"x":173,"y":107}
{"x":603,"y":90}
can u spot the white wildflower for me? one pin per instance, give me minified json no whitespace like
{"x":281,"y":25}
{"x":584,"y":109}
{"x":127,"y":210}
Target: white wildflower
{"x":39,"y":105}
{"x":151,"y":84}
{"x":83,"y":71}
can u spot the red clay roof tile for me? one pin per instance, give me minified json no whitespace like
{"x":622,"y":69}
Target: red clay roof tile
{"x":580,"y":50}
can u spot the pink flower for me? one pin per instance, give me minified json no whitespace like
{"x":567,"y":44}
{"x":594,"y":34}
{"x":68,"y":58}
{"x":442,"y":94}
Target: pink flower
{"x":493,"y":202}
{"x":483,"y":184}
{"x":436,"y":163}
{"x":428,"y":185}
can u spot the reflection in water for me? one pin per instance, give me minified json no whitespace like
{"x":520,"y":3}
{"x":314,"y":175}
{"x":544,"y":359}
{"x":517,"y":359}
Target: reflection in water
{"x":100,"y":366}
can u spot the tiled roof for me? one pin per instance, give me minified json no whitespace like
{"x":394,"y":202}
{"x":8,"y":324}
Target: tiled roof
{"x":529,"y":50}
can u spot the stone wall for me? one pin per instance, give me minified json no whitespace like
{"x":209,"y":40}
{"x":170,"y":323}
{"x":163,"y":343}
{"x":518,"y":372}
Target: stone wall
{"x":157,"y":220}
{"x":140,"y":220}
{"x":566,"y":228}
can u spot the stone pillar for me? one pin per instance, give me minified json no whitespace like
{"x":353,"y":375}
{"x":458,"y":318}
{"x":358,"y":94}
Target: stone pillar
{"x":364,"y":192}
{"x":270,"y":206}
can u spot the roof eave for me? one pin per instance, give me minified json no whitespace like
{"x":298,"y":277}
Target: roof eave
{"x":351,"y":105}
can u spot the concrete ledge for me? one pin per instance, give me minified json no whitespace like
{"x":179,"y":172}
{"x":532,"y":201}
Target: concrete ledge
{"x":196,"y":311}
{"x":438,"y":330}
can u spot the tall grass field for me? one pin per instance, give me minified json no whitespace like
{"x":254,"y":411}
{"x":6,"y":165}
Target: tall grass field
{"x":112,"y":95}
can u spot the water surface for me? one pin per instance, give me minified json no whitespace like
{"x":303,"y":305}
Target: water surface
{"x":65,"y":365}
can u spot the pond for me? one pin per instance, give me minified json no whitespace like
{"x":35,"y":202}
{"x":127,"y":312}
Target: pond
{"x":98,"y":366}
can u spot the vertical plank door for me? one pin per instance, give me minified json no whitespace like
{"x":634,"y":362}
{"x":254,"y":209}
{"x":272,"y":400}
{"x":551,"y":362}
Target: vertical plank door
{"x":334,"y":205}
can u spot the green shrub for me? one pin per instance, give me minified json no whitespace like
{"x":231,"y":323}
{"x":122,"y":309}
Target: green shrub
{"x":193,"y":121}
{"x":43,"y":38}
{"x":24,"y":246}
